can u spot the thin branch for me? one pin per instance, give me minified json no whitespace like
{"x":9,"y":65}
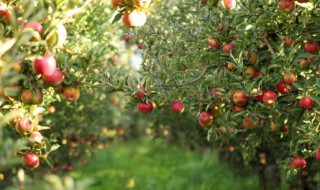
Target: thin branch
{"x":190,"y":82}
{"x":155,"y":58}
{"x":77,"y":10}
{"x":265,"y":40}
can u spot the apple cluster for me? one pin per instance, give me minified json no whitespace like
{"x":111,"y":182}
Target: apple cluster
{"x":41,"y":72}
{"x":145,"y":106}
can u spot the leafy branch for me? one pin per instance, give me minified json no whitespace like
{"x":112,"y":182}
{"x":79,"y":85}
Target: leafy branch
{"x":190,"y":82}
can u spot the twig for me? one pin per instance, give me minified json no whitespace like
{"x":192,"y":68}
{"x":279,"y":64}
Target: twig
{"x":190,"y":82}
{"x":77,"y":10}
{"x":269,"y":46}
{"x":157,"y":60}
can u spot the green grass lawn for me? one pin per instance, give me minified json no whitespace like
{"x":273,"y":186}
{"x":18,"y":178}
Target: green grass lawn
{"x":149,"y":165}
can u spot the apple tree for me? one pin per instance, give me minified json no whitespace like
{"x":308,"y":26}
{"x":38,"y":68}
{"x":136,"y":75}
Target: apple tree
{"x":248,"y":70}
{"x":52,"y":53}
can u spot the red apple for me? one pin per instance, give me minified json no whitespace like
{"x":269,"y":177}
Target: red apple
{"x":55,"y":79}
{"x":215,"y":93}
{"x":253,"y":58}
{"x":213,"y":43}
{"x":144,"y":107}
{"x":52,"y":109}
{"x":237,"y":108}
{"x":36,"y":137}
{"x":142,"y":3}
{"x":31,"y":96}
{"x":289,"y":78}
{"x":30,"y":160}
{"x":69,"y":168}
{"x":257,"y":94}
{"x":228,"y":48}
{"x":285,"y":128}
{"x":17,"y":67}
{"x":274,"y":127}
{"x":27,"y":96}
{"x":25,"y":126}
{"x":126,"y":37}
{"x":298,"y":162}
{"x":116,"y":3}
{"x":114,"y":59}
{"x":221,"y":26}
{"x":71,"y":94}
{"x":230,"y":67}
{"x":288,"y":41}
{"x":239,"y":98}
{"x":229,"y":4}
{"x":46,"y":65}
{"x":141,"y":93}
{"x":311,"y":47}
{"x":318,"y":155}
{"x":3,"y":8}
{"x":134,"y":19}
{"x":306,"y":102}
{"x":283,"y":88}
{"x":140,"y":46}
{"x":249,"y":124}
{"x":84,"y":162}
{"x":7,"y":16}
{"x":303,"y":63}
{"x":177,"y":106}
{"x":269,"y":98}
{"x":38,"y":97}
{"x":287,"y":6}
{"x":249,"y":71}
{"x":205,"y":118}
{"x":34,"y":25}
{"x":257,"y":73}
{"x":59,"y":89}
{"x":310,"y":59}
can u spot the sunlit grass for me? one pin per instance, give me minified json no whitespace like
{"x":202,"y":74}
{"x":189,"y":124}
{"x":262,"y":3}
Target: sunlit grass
{"x":154,"y":165}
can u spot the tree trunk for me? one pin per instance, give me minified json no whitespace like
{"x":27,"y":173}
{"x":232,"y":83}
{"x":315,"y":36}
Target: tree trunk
{"x":269,"y":173}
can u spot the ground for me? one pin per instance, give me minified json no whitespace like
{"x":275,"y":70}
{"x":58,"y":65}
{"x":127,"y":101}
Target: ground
{"x":154,"y":165}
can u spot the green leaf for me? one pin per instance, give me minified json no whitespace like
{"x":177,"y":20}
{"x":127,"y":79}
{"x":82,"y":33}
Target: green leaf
{"x":48,"y":145}
{"x":274,"y":66}
{"x":11,"y":91}
{"x":318,"y":82}
{"x":316,"y":99}
{"x":297,"y":85}
{"x":54,"y":147}
{"x":117,"y":18}
{"x":6,"y":47}
{"x":49,"y":161}
{"x":38,"y":110}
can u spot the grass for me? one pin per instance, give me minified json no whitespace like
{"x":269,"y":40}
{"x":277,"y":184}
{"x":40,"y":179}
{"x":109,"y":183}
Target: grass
{"x":145,"y":165}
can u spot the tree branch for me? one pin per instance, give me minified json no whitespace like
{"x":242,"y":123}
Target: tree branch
{"x":265,"y":40}
{"x":190,"y":82}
